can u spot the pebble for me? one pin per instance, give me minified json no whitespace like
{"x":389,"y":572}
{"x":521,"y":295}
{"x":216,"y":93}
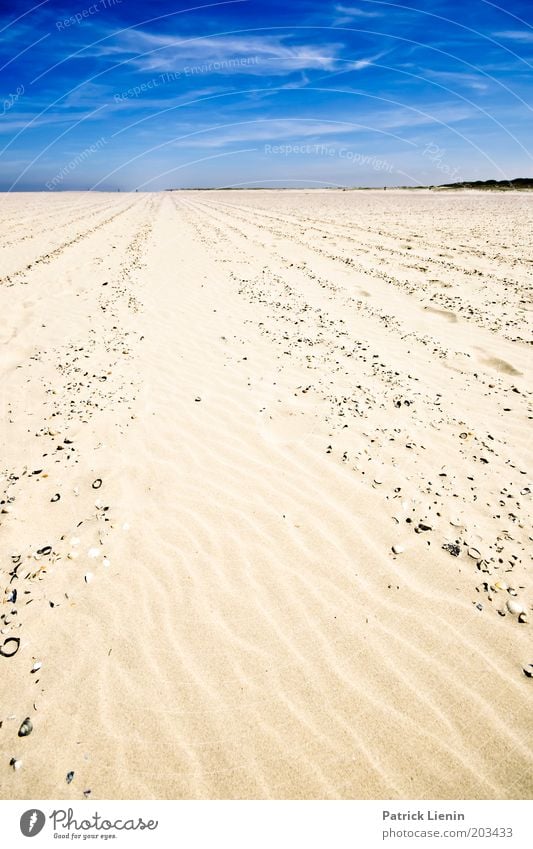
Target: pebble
{"x":70,"y":776}
{"x":88,"y":577}
{"x":501,"y":585}
{"x":515,"y":607}
{"x":36,"y":666}
{"x":94,"y":552}
{"x":452,"y":549}
{"x":16,"y":764}
{"x":398,"y":549}
{"x":26,"y":728}
{"x":55,"y":497}
{"x":528,"y":670}
{"x":96,"y":484}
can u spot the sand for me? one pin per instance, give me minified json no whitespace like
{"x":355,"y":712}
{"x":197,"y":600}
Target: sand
{"x":244,"y":401}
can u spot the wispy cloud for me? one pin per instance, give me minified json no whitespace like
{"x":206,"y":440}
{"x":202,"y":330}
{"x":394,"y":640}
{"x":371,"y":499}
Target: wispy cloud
{"x":271,"y":54}
{"x":357,"y":12}
{"x":456,"y":78}
{"x":515,"y":35}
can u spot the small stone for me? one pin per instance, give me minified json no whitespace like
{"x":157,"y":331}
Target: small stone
{"x":55,"y":497}
{"x":26,"y":728}
{"x":36,"y":666}
{"x":70,"y":776}
{"x":88,"y":577}
{"x":398,"y":549}
{"x":96,"y":484}
{"x":16,"y":764}
{"x":452,"y":549}
{"x":528,"y":670}
{"x":515,"y":607}
{"x":473,"y":552}
{"x":501,"y":585}
{"x":197,"y":399}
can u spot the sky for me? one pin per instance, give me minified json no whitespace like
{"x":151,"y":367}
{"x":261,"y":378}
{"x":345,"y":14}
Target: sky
{"x":128,"y":95}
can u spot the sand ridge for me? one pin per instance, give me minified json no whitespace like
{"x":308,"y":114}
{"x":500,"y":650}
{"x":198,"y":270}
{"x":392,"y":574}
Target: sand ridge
{"x":274,"y":389}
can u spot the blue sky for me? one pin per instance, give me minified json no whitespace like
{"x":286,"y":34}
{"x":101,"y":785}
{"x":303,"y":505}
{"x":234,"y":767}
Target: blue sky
{"x":105,"y":94}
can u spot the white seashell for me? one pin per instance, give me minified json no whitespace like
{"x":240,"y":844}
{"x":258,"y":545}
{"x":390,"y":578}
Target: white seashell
{"x":398,"y":549}
{"x":94,"y":552}
{"x":15,"y":763}
{"x":88,"y":577}
{"x":501,"y":585}
{"x":36,"y":666}
{"x":515,"y":607}
{"x":473,"y":552}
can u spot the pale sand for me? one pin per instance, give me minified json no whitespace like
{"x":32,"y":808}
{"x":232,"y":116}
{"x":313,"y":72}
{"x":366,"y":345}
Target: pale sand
{"x":253,"y":635}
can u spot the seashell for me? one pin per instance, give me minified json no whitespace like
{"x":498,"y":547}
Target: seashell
{"x":423,"y":526}
{"x":70,"y":776}
{"x":88,"y":577}
{"x":398,"y":549}
{"x":528,"y":670}
{"x":456,"y":522}
{"x":525,"y":491}
{"x":94,"y":552}
{"x":16,"y":764}
{"x":36,"y":666}
{"x":13,"y":649}
{"x":473,"y":552}
{"x":11,"y":595}
{"x":26,"y":728}
{"x":515,"y":607}
{"x":197,"y":399}
{"x":452,"y":549}
{"x":501,"y":585}
{"x":522,"y":618}
{"x":45,"y":550}
{"x":55,"y":497}
{"x":96,"y":484}
{"x":15,"y":558}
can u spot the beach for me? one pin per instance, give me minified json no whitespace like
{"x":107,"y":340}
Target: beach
{"x":266,"y":495}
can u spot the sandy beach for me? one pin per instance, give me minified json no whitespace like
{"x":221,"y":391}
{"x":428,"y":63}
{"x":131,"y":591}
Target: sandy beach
{"x":266,"y":495}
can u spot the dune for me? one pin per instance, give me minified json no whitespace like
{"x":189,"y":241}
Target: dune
{"x":266,"y":508}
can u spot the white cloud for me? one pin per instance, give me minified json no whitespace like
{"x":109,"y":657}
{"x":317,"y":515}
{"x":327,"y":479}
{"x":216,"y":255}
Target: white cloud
{"x":259,"y":55}
{"x":516,"y":35}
